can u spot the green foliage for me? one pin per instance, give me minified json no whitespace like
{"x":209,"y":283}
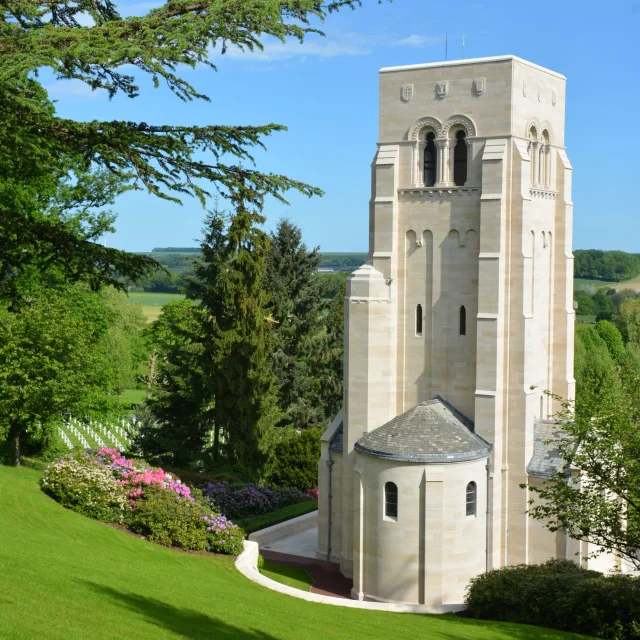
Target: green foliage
{"x":260,"y":562}
{"x":559,"y":595}
{"x":165,"y":518}
{"x":605,"y":265}
{"x":297,"y":454}
{"x":586,"y":305}
{"x":596,"y":498}
{"x":174,"y":431}
{"x":87,"y":488}
{"x":301,"y":354}
{"x":612,"y":339}
{"x":628,"y":320}
{"x":230,"y":285}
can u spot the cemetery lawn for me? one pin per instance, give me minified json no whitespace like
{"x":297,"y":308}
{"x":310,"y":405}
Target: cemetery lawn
{"x":63,"y":576}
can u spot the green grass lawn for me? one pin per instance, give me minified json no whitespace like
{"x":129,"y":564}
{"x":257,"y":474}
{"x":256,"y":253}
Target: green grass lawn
{"x":291,"y":576}
{"x":152,"y":303}
{"x":255,"y":523}
{"x":133,"y":396}
{"x":63,"y":576}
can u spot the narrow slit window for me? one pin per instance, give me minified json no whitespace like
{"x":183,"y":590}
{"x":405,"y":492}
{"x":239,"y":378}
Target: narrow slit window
{"x":463,"y":321}
{"x":430,"y":160}
{"x":460,"y":159}
{"x":471,"y":499}
{"x":391,"y":500}
{"x":419,"y":320}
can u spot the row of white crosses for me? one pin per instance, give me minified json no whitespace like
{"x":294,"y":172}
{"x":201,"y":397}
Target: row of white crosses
{"x":65,"y":438}
{"x":78,"y":434}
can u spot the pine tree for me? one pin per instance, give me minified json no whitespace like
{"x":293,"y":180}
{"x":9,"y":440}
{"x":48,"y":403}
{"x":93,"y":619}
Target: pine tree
{"x":299,"y":310}
{"x":182,"y":404}
{"x":230,"y":285}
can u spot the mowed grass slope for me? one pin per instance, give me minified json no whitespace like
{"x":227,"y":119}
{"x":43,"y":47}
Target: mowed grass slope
{"x":65,"y":576}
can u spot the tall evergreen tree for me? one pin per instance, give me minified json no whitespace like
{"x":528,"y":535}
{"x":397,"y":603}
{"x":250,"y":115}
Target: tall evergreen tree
{"x":230,"y":285}
{"x":182,"y":403}
{"x":299,"y":310}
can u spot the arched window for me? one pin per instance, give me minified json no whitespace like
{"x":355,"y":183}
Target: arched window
{"x":391,"y":500}
{"x":419,"y":320}
{"x":546,"y":164}
{"x":463,"y":321}
{"x":471,"y":499}
{"x":430,"y":160}
{"x":460,"y":159}
{"x":533,"y":152}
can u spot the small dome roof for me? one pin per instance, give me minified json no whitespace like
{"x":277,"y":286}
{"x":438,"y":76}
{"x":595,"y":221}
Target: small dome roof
{"x":432,"y":431}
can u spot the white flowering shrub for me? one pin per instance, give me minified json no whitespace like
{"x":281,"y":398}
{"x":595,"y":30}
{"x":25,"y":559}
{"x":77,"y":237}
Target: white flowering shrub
{"x":86,"y":487}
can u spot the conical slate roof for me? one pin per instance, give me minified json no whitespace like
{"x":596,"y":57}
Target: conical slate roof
{"x":432,"y":431}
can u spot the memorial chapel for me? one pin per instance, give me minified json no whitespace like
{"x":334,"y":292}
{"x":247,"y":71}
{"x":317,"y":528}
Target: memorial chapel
{"x":459,"y":321}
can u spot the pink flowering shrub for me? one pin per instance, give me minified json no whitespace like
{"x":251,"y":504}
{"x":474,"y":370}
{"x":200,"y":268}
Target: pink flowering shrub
{"x":107,"y":486}
{"x":313,"y":494}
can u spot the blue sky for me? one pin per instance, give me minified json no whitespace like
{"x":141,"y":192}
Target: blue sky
{"x":325,"y":91}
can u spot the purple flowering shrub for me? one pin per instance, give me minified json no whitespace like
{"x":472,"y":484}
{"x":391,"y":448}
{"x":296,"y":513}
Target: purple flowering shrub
{"x":105,"y":485}
{"x":242,"y":500}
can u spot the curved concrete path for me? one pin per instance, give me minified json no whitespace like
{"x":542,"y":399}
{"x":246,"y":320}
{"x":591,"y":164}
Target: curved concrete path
{"x":247,"y":564}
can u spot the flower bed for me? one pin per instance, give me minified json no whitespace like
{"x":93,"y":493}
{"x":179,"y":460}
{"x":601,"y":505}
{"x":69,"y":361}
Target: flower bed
{"x":109,"y":487}
{"x":242,"y":500}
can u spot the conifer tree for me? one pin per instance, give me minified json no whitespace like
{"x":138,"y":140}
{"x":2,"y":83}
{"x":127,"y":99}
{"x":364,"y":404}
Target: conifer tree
{"x":299,"y":311}
{"x":230,"y":285}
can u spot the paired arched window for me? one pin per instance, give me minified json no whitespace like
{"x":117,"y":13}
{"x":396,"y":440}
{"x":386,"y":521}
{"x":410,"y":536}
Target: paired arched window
{"x":391,"y":500}
{"x":460,"y":157}
{"x":463,"y":321}
{"x":471,"y":498}
{"x":419,"y":320}
{"x":430,"y":160}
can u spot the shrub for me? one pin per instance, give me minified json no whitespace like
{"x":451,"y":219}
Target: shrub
{"x":561,"y":595}
{"x":86,"y":487}
{"x":164,"y":517}
{"x":242,"y":500}
{"x":107,"y":486}
{"x":297,"y":455}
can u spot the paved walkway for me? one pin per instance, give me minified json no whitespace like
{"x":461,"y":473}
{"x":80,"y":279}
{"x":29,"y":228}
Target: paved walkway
{"x":303,"y":544}
{"x":326,"y":576}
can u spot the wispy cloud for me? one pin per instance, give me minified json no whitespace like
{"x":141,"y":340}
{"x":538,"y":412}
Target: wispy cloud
{"x":74,"y":90}
{"x":346,"y":44}
{"x":415,"y":40}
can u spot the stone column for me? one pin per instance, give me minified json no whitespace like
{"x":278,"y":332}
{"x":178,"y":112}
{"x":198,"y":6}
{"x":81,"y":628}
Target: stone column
{"x":418,"y":163}
{"x":469,"y":181}
{"x":443,"y":169}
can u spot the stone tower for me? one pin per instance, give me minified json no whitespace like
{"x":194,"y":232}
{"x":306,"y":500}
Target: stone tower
{"x":466,"y":298}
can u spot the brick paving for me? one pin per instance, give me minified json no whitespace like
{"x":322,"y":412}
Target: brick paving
{"x":326,"y":576}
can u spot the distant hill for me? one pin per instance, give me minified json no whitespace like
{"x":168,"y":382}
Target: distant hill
{"x":611,"y":266}
{"x":338,"y":261}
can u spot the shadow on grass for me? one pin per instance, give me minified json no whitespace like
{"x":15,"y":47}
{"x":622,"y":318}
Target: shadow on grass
{"x":187,"y":623}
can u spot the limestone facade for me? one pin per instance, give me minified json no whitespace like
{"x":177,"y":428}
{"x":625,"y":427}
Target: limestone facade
{"x":467,"y":295}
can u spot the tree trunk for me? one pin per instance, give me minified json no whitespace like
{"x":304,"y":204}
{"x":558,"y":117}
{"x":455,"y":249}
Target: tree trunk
{"x":151,"y":378}
{"x":216,"y":442}
{"x":14,"y":434}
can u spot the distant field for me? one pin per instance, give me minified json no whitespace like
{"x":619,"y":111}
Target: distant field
{"x":152,"y":303}
{"x":585,"y":282}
